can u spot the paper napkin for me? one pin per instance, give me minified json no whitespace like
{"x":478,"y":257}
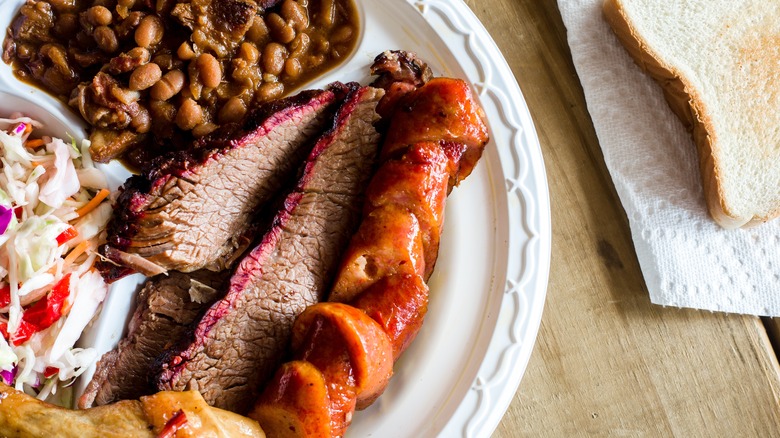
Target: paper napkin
{"x":686,"y":258}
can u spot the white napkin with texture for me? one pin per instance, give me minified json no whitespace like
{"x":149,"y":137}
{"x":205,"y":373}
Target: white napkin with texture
{"x":686,"y":258}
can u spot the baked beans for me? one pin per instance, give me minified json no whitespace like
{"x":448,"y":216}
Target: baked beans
{"x":149,"y":77}
{"x":168,"y":86}
{"x":145,"y":76}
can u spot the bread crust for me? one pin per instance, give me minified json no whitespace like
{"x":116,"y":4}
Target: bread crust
{"x":686,"y":103}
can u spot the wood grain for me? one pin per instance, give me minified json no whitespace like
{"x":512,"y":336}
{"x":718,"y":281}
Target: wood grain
{"x":607,"y":361}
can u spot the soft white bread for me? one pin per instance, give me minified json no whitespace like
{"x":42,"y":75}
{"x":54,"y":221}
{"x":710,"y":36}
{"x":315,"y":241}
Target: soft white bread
{"x":718,"y":62}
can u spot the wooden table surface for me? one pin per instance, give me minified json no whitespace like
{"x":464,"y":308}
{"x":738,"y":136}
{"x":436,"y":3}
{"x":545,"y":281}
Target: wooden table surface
{"x":607,"y":362}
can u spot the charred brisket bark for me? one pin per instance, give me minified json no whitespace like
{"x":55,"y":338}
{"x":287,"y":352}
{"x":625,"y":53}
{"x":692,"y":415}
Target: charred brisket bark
{"x":242,"y":337}
{"x":189,"y":210}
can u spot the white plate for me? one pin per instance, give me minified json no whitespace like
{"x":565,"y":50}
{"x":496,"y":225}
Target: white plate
{"x":488,"y":290}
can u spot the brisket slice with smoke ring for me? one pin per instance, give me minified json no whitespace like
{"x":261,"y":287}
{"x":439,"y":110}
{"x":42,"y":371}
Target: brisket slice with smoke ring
{"x":167,"y":306}
{"x":189,"y":209}
{"x":241,"y":338}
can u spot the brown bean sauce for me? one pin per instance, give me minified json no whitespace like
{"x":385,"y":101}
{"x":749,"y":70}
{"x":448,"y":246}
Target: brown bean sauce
{"x":152,"y":76}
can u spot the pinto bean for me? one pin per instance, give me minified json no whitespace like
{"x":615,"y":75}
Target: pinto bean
{"x":274,"y":55}
{"x":190,"y":115}
{"x":203,"y":129}
{"x":249,"y":52}
{"x":99,"y":15}
{"x":168,"y":86}
{"x":286,"y":35}
{"x":295,"y":14}
{"x":280,"y":30}
{"x":232,"y":111}
{"x":293,"y":67}
{"x":149,"y":32}
{"x":209,"y":71}
{"x":275,"y":23}
{"x":270,"y":90}
{"x":63,"y":5}
{"x":106,"y":39}
{"x":328,"y":12}
{"x":258,"y":32}
{"x":300,"y":45}
{"x":145,"y":76}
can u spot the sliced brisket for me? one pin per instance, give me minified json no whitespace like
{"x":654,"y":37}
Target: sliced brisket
{"x":189,"y":209}
{"x":167,"y":306}
{"x":242,"y":337}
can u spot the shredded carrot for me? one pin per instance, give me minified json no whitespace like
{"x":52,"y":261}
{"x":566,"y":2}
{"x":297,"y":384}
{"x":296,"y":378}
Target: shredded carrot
{"x":28,"y":128}
{"x":34,"y":143}
{"x":76,"y":252}
{"x":66,"y":306}
{"x":93,"y":203}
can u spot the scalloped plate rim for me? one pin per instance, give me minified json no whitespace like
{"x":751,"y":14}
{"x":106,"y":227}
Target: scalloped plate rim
{"x":512,"y":323}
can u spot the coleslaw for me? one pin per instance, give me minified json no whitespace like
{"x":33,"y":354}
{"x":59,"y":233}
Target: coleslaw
{"x":52,"y":214}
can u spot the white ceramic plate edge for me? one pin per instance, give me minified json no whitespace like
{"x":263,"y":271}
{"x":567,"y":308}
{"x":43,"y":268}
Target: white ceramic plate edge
{"x":530,"y":232}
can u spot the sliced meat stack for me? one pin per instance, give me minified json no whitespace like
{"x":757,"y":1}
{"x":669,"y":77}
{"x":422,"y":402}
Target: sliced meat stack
{"x":241,"y":338}
{"x":166,"y":307}
{"x":343,"y":350}
{"x":190,"y":209}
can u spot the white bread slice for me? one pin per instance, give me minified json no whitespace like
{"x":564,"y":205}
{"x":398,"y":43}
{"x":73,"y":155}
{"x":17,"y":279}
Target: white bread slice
{"x":718,"y":62}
